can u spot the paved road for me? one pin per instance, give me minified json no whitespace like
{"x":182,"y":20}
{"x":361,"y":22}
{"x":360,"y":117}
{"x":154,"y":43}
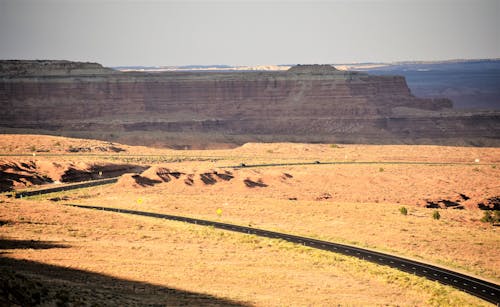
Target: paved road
{"x":243,"y":165}
{"x":91,"y":183}
{"x":66,"y":187}
{"x":477,"y":287}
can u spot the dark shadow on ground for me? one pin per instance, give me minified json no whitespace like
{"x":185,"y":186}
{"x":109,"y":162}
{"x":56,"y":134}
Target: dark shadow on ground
{"x":208,"y":178}
{"x":144,"y":181}
{"x":101,"y":172}
{"x":252,"y":184}
{"x":30,"y":283}
{"x":28,"y":244}
{"x":7,"y":180}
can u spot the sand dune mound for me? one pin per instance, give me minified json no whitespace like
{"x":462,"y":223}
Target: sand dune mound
{"x":131,"y":180}
{"x":170,"y":174}
{"x":173,"y":176}
{"x":14,"y":175}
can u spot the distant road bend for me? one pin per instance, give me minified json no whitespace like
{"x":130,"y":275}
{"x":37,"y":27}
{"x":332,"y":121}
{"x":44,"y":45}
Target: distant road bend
{"x":91,"y":183}
{"x":244,"y":165}
{"x":66,"y":187}
{"x":477,"y":287}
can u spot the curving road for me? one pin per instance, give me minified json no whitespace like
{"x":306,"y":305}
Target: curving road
{"x":477,"y":287}
{"x":243,"y":165}
{"x":66,"y":187}
{"x":90,"y":183}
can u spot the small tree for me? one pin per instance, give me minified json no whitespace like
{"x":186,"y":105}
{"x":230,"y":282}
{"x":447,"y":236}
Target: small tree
{"x":436,"y":215}
{"x":403,"y":211}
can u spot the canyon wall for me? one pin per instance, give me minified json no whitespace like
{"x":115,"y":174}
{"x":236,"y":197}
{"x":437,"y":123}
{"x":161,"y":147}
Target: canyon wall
{"x":315,"y":101}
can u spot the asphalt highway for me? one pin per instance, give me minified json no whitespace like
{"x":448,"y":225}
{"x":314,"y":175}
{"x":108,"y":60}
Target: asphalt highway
{"x":477,"y":287}
{"x":243,"y":165}
{"x":66,"y":187}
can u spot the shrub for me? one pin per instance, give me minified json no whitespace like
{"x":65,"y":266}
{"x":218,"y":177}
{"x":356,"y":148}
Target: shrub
{"x":436,"y":215}
{"x":334,"y":146}
{"x":381,"y":169}
{"x":403,"y":211}
{"x":491,"y":218}
{"x":487,"y":218}
{"x":33,"y":148}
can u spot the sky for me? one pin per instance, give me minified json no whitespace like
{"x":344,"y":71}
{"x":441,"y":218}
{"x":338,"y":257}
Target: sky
{"x":206,"y":32}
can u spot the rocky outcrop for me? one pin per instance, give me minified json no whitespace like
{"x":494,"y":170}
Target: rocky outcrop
{"x":305,"y":100}
{"x":18,"y":68}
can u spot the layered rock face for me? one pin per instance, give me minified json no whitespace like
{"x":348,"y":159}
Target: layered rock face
{"x":303,"y":101}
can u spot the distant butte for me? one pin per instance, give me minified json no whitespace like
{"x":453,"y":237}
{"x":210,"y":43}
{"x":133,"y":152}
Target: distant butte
{"x":307,"y":103}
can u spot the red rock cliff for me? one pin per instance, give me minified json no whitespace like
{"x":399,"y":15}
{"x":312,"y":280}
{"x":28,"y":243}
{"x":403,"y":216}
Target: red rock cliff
{"x":306,"y":99}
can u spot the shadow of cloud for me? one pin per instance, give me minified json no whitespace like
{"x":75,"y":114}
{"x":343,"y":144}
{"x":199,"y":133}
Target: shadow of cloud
{"x":30,"y":283}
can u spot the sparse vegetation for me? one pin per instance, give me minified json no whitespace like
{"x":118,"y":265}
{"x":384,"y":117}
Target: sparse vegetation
{"x":204,"y":252}
{"x":334,"y":146}
{"x":488,"y":217}
{"x":358,"y":194}
{"x":436,"y":215}
{"x":32,"y":148}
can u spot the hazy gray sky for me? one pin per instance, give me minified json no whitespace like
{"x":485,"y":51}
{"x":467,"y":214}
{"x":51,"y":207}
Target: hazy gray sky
{"x":248,"y":32}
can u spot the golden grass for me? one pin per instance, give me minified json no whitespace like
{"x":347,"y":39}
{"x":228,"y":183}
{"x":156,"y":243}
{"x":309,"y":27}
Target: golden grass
{"x":259,"y":271}
{"x":363,"y":209}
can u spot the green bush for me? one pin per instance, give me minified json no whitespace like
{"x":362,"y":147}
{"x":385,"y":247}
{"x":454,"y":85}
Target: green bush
{"x":436,"y":215}
{"x":487,"y":218}
{"x":381,"y":169}
{"x":403,"y":211}
{"x":334,"y":146}
{"x":491,"y":218}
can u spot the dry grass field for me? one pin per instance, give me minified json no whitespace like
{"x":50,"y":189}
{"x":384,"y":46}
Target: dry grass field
{"x":130,"y":260}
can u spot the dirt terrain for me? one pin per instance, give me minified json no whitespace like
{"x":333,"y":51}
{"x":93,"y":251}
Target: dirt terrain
{"x":354,"y":200}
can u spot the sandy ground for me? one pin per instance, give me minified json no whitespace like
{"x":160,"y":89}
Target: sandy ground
{"x":354,"y":203}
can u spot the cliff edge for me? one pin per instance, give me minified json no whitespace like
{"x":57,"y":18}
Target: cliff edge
{"x":15,"y":68}
{"x":307,"y":103}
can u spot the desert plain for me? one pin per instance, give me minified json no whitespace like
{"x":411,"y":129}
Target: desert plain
{"x":345,"y":193}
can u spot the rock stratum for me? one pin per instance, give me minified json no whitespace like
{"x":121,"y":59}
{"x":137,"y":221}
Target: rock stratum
{"x":307,"y":103}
